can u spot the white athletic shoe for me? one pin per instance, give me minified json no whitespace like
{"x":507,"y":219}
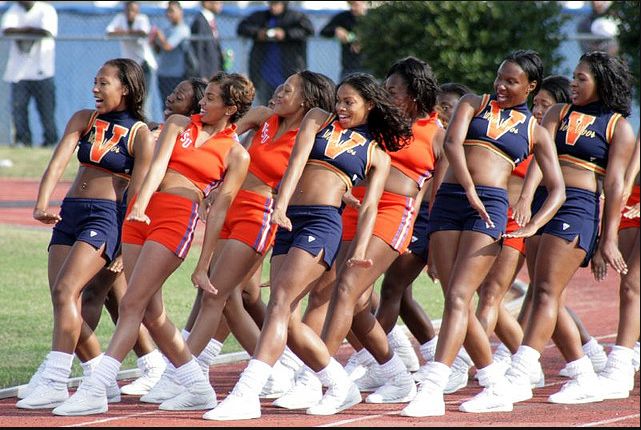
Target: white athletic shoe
{"x":458,"y":379}
{"x":427,"y":403}
{"x":197,"y":396}
{"x":354,"y":368}
{"x":583,"y":389}
{"x":402,"y":347}
{"x":236,"y":406}
{"x":87,"y":400}
{"x":166,"y":388}
{"x":279,"y":382}
{"x":306,"y":392}
{"x":45,"y":396}
{"x":113,"y":393}
{"x":537,"y":377}
{"x":616,"y":383}
{"x":399,"y":389}
{"x":520,"y":386}
{"x":25,"y":390}
{"x":151,"y":374}
{"x":635,"y":357}
{"x":372,"y":380}
{"x":491,"y":399}
{"x":336,"y":399}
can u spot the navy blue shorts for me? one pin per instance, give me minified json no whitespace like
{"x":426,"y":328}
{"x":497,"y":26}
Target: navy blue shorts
{"x":314,"y":229}
{"x":578,"y":216}
{"x":94,"y":221}
{"x":452,"y":210}
{"x":420,"y":242}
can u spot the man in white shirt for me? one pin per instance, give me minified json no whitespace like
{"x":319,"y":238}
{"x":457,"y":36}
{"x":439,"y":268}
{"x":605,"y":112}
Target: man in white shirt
{"x":33,"y":25}
{"x":135,"y":28}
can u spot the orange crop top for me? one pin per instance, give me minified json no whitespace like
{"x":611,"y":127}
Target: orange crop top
{"x":203,"y":166}
{"x":417,"y":159}
{"x":269,"y":157}
{"x":521,"y":169}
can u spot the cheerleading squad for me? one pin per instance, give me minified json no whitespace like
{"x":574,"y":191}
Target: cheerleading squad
{"x":344,"y":184}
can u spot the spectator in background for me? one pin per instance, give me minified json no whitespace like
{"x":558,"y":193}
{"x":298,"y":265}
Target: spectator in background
{"x":207,"y":47}
{"x":602,"y":26}
{"x":342,"y":27}
{"x":280,"y":46}
{"x":171,"y":43}
{"x":31,"y":66}
{"x":136,"y":46}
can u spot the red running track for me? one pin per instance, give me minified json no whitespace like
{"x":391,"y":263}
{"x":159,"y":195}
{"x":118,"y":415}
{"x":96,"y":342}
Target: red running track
{"x":596,"y":303}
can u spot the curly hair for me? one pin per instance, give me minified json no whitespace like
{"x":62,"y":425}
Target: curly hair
{"x":198,"y":87}
{"x":558,"y":86}
{"x":236,"y":90}
{"x":530,"y":62}
{"x":420,"y":80}
{"x":318,"y":91}
{"x":454,"y":88}
{"x":387,"y":123}
{"x":613,"y":80}
{"x":131,"y":76}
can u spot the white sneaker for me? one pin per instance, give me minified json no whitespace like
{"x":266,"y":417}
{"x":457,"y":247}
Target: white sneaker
{"x":583,"y":389}
{"x":197,"y":396}
{"x":491,"y":399}
{"x":306,"y":392}
{"x":113,"y":393}
{"x":150,"y":377}
{"x":458,"y":379}
{"x":236,"y":406}
{"x":354,"y":368}
{"x":45,"y":396}
{"x":616,"y":383}
{"x":399,"y":389}
{"x":520,"y":387}
{"x":372,"y":380}
{"x":279,"y":382}
{"x":167,"y":388}
{"x":635,"y":357}
{"x":87,"y":400}
{"x":25,"y":390}
{"x":402,"y":346}
{"x":427,"y":403}
{"x":537,"y":377}
{"x":336,"y":399}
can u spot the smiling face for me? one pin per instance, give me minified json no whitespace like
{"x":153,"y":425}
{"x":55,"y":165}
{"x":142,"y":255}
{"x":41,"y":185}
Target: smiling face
{"x":583,"y":88}
{"x":180,"y":100}
{"x":212,"y":106}
{"x":541,"y":103}
{"x":511,"y":85}
{"x":288,"y":99}
{"x":108,"y":90}
{"x":352,"y":109}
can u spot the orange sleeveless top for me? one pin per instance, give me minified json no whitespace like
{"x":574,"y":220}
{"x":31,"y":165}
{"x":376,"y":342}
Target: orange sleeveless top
{"x":521,"y":169}
{"x":417,"y":159}
{"x":203,"y":166}
{"x":269,"y":157}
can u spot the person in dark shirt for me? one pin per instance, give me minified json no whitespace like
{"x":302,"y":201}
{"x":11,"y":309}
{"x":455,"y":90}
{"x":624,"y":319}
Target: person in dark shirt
{"x":206,"y":43}
{"x":280,"y":46}
{"x":342,"y":27}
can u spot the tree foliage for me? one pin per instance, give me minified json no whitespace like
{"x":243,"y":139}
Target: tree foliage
{"x":629,"y":35}
{"x":463,"y":41}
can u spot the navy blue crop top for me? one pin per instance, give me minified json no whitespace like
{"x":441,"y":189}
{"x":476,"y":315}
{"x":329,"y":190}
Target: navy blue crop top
{"x":584,"y":135}
{"x":506,"y":132}
{"x":107,"y":142}
{"x":346,"y":152}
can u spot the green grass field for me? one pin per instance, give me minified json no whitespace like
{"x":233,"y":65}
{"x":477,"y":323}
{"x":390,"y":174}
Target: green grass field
{"x":26,"y":314}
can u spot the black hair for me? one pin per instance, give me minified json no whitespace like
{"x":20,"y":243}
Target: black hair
{"x":387,"y":123}
{"x":454,"y":88}
{"x":613,"y":80}
{"x":174,"y":3}
{"x":420,"y":80}
{"x":558,"y":86}
{"x":198,"y":86}
{"x":131,"y":75}
{"x":531,"y":64}
{"x":318,"y":91}
{"x":236,"y":90}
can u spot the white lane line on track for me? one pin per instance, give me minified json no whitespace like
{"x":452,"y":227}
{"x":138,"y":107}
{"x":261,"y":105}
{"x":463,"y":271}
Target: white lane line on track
{"x":106,"y":420}
{"x":606,"y":422}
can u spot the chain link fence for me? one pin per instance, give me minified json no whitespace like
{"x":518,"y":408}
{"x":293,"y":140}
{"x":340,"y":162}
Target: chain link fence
{"x":82,"y":47}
